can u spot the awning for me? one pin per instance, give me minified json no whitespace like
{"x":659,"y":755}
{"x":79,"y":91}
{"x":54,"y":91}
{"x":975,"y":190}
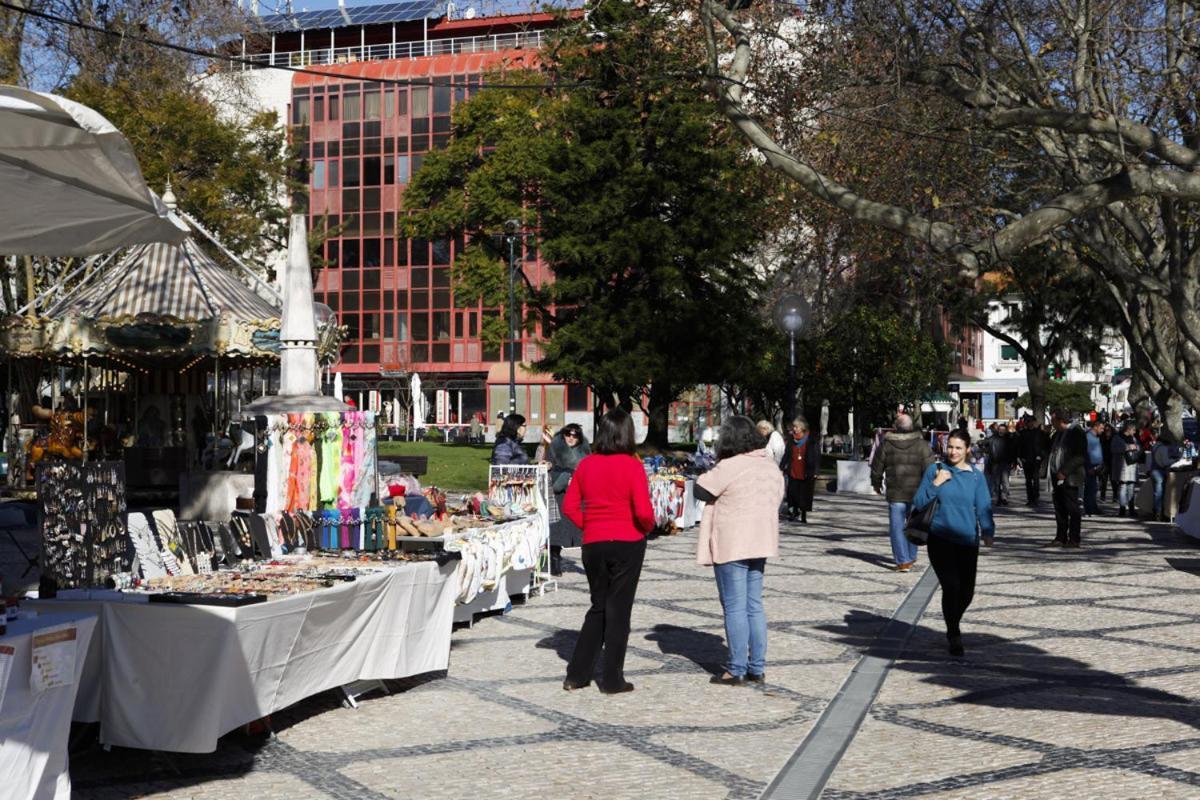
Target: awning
{"x":71,"y":184}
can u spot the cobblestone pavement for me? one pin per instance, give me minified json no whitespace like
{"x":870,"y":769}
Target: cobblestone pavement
{"x":1079,"y":681}
{"x":500,"y":724}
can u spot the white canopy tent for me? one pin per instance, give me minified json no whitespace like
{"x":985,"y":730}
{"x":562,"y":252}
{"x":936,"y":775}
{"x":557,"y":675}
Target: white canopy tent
{"x":72,"y":186}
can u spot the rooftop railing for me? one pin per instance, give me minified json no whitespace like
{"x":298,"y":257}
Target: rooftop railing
{"x":397,"y":50}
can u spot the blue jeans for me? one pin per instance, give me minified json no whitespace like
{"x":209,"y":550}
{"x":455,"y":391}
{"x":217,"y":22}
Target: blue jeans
{"x":1158,"y":478}
{"x":740,"y":585}
{"x":903,"y":550}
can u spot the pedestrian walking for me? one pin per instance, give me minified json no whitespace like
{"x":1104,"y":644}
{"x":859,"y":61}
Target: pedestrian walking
{"x":739,"y":531}
{"x":1162,"y":456}
{"x":609,"y":500}
{"x":1068,"y":473}
{"x":900,"y":463}
{"x":508,"y":449}
{"x":1095,"y":461}
{"x":1124,"y":455}
{"x":1032,"y":446}
{"x":1002,"y":457}
{"x":963,"y":517}
{"x":800,"y":462}
{"x":776,"y":447}
{"x":476,"y":429}
{"x":1104,"y":476}
{"x":567,"y":449}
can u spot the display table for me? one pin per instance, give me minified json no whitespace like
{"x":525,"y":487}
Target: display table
{"x":1174,"y":484}
{"x":35,"y":726}
{"x":177,"y":677}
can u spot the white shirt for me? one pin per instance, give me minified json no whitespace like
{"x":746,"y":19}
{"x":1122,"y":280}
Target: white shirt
{"x":776,"y":446}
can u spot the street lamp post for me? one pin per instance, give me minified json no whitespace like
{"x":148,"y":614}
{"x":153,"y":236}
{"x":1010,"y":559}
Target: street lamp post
{"x":792,"y":312}
{"x":512,"y":227}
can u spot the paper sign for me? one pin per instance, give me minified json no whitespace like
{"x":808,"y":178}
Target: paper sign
{"x":53,"y":659}
{"x":6,"y":659}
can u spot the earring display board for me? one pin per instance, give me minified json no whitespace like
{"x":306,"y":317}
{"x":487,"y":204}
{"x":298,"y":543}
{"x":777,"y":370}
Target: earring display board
{"x":525,"y":490}
{"x":83,"y":522}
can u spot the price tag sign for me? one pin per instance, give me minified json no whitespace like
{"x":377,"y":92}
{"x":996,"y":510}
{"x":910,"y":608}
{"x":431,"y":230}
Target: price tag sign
{"x":53,"y":659}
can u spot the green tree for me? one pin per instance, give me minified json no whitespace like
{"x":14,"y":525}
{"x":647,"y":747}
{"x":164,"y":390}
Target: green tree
{"x":642,"y":202}
{"x":873,"y":359}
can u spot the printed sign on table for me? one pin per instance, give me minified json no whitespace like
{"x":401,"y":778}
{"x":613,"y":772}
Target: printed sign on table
{"x":53,"y":659}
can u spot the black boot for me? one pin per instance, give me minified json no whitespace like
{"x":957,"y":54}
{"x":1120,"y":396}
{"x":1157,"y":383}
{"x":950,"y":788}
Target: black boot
{"x":555,"y":560}
{"x":804,"y":517}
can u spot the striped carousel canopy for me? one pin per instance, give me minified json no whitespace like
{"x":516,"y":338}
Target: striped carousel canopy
{"x":177,"y":282}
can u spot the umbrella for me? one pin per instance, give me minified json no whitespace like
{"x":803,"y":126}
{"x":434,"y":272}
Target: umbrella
{"x":418,"y":403}
{"x":72,"y":186}
{"x":337,"y":386}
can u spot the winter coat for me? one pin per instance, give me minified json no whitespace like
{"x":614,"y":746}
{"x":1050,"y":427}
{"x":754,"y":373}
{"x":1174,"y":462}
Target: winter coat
{"x":1032,"y":444}
{"x":812,"y":456}
{"x":1122,"y":471}
{"x":902,"y":460}
{"x":509,"y":451}
{"x":564,"y":459}
{"x":1068,"y":455}
{"x":742,"y":521}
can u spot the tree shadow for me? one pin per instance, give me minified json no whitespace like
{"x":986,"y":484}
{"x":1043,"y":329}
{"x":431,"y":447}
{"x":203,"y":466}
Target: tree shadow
{"x":705,"y":650}
{"x":1013,"y":675}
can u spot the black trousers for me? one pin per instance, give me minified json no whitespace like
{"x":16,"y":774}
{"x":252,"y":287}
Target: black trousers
{"x":800,"y":494}
{"x":1033,"y":483}
{"x":955,"y":566}
{"x":613,"y":569}
{"x":1068,"y":512}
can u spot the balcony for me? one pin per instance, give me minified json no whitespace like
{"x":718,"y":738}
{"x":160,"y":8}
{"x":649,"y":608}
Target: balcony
{"x":317,"y":57}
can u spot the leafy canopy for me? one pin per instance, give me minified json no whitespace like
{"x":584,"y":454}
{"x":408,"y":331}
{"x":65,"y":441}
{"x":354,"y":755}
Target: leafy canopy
{"x":642,"y":203}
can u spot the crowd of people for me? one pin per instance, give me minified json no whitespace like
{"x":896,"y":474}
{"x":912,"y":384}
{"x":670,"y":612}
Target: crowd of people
{"x":601,"y":503}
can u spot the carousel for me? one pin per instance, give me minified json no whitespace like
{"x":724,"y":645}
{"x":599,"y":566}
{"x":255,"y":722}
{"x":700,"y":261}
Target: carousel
{"x":147,"y":358}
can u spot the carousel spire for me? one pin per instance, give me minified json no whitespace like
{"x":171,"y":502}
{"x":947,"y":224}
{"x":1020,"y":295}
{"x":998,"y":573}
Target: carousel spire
{"x":299,"y":376}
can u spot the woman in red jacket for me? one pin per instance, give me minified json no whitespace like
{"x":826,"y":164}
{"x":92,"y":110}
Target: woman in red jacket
{"x":609,"y":500}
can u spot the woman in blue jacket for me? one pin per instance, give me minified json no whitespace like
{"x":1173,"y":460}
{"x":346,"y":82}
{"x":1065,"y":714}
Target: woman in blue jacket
{"x":963,"y":516}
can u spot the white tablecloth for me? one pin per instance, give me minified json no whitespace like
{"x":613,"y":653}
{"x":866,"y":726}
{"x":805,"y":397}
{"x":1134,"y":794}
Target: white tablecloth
{"x":34,"y":728}
{"x":176,"y":678}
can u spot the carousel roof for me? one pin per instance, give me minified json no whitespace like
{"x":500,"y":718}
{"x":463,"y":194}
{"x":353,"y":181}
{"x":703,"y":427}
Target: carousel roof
{"x":179,"y":282}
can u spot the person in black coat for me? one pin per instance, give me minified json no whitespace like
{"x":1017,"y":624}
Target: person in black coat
{"x":1068,"y":473}
{"x":801,"y":460}
{"x":508,"y":449}
{"x":1032,"y":447}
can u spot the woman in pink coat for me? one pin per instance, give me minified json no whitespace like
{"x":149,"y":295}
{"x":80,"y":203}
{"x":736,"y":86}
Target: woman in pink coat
{"x":739,"y":531}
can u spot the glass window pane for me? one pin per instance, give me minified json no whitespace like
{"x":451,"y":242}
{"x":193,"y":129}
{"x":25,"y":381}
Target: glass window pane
{"x":441,"y":298}
{"x":420,"y":327}
{"x":371,"y":105}
{"x":351,"y":168}
{"x":441,"y":251}
{"x":402,"y":169}
{"x":370,"y":221}
{"x":389,"y":170}
{"x":318,"y":174}
{"x":420,"y":101}
{"x":402,"y":327}
{"x":370,"y":256}
{"x":441,"y":354}
{"x":334,"y":169}
{"x":389,"y":104}
{"x":420,"y":276}
{"x":420,"y":253}
{"x":370,"y":171}
{"x":420,"y":299}
{"x":441,"y":324}
{"x":420,"y":353}
{"x":350,"y":253}
{"x":441,"y":99}
{"x":333,"y":107}
{"x":300,"y":115}
{"x":319,"y":109}
{"x":352,"y":107}
{"x":402,"y":101}
{"x":349,"y":199}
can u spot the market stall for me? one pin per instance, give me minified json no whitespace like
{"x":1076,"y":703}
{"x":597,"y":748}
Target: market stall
{"x":178,"y":674}
{"x":41,"y":667}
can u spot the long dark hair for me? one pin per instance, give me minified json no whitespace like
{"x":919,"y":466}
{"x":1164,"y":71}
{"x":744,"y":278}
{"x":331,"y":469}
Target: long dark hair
{"x":614,"y":434}
{"x":512,"y":424}
{"x":738,"y":435}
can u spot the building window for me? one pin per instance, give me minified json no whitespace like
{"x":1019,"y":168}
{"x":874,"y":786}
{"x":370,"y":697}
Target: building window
{"x":318,"y":174}
{"x":1008,"y":353}
{"x":577,"y":398}
{"x":371,"y":105}
{"x":352,"y":107}
{"x":402,"y":169}
{"x":389,"y":170}
{"x":420,"y":101}
{"x":300,"y":115}
{"x":319,"y":109}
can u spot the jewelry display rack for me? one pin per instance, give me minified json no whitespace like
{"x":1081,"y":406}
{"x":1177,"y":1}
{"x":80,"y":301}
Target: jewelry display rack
{"x":521,"y":483}
{"x":82,"y":519}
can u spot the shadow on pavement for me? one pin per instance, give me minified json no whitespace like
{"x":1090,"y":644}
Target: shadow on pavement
{"x":562,"y":642}
{"x":705,"y":650}
{"x":1016,"y":675}
{"x":874,"y":559}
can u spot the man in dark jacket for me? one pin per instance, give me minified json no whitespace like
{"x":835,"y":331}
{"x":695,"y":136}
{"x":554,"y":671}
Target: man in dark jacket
{"x":1068,"y":474}
{"x":1002,"y":455}
{"x":902,"y":460}
{"x":1032,"y":447}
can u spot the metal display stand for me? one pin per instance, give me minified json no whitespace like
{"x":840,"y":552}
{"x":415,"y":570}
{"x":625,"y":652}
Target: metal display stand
{"x":500,"y":475}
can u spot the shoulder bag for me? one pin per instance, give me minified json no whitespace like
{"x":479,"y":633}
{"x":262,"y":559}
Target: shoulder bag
{"x":916,"y":529}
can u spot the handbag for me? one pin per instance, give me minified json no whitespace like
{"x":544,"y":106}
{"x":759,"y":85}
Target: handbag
{"x":916,"y":528}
